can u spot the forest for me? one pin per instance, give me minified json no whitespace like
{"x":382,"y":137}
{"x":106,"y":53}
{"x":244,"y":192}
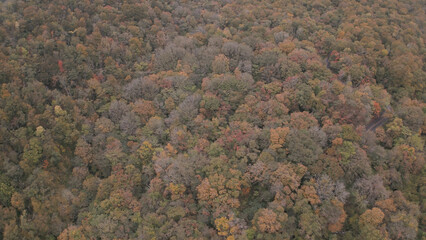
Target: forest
{"x":212,"y":119}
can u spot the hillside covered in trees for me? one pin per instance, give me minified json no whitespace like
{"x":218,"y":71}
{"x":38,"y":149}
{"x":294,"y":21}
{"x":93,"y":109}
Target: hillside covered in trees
{"x":222,"y":119}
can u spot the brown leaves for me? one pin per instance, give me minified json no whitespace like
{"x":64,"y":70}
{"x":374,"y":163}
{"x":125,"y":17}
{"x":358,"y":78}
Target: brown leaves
{"x":145,"y":109}
{"x":220,"y":193}
{"x":310,"y":193}
{"x":206,"y":192}
{"x":338,"y":225}
{"x":220,"y":64}
{"x":372,"y":216}
{"x":387,"y":204}
{"x":303,"y":120}
{"x":278,"y":136}
{"x":266,"y":221}
{"x":289,"y":175}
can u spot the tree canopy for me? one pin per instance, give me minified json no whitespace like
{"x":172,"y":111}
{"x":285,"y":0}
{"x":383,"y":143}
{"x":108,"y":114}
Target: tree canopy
{"x":272,"y":119}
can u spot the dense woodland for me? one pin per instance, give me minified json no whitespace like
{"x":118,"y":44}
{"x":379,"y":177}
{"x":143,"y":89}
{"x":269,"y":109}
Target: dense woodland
{"x":178,"y":119}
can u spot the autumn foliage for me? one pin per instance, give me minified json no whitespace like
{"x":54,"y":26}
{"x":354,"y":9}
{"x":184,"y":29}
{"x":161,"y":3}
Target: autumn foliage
{"x":234,"y":120}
